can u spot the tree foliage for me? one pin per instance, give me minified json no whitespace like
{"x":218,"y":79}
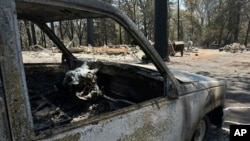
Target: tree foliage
{"x":205,"y":22}
{"x":219,"y":21}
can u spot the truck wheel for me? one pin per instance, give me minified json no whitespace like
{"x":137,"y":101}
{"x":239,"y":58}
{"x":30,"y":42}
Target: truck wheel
{"x":201,"y":131}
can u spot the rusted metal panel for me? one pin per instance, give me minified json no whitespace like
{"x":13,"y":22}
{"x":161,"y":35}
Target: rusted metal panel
{"x":13,"y":73}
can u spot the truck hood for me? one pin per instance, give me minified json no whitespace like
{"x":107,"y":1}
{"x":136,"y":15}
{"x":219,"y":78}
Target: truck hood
{"x":187,"y":78}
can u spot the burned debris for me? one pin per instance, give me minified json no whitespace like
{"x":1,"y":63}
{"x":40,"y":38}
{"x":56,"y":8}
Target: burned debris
{"x":60,"y":96}
{"x":124,"y":50}
{"x":233,"y":48}
{"x":176,"y":46}
{"x":83,"y":80}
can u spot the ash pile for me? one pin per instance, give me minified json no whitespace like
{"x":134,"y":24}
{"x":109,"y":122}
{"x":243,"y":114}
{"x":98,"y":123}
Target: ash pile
{"x":233,"y":48}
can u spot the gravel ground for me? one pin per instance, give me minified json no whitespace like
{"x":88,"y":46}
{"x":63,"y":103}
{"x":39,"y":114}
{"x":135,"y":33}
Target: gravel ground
{"x":233,"y":68}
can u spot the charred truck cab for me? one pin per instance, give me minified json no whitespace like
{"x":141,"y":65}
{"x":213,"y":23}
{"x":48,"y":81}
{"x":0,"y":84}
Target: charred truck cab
{"x":82,"y":99}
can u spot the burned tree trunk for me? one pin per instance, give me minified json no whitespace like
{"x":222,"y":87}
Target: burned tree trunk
{"x":33,"y":32}
{"x":52,"y":26}
{"x":80,"y":26}
{"x":70,"y":30}
{"x":90,"y":32}
{"x":26,"y":23}
{"x":61,"y":30}
{"x":161,"y":28}
{"x":43,"y":39}
{"x":247,"y":34}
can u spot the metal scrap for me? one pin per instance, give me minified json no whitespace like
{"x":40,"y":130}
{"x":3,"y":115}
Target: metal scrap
{"x":85,"y":80}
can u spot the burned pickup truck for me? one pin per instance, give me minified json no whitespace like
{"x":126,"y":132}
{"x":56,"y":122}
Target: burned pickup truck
{"x":86,"y":99}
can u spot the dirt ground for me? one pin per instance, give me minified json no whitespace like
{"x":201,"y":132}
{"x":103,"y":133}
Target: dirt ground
{"x":233,"y":68}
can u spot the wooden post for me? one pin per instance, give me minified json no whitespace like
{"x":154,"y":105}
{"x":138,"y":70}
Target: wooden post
{"x":178,"y":20}
{"x":90,"y":32}
{"x":161,"y":42}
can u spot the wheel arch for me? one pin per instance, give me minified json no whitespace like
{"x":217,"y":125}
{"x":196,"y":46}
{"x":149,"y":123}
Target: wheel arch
{"x":216,"y":116}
